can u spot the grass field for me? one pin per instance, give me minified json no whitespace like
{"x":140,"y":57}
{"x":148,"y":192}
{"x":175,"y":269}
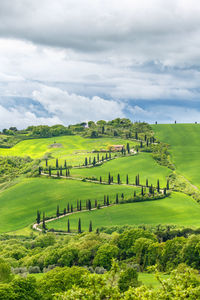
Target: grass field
{"x":19,"y":203}
{"x":177,"y":209}
{"x":71,"y":147}
{"x":184,"y":140}
{"x":142,"y":164}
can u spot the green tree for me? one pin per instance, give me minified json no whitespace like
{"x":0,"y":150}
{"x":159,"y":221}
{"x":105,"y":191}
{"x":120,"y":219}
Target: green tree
{"x":79,"y":225}
{"x":68,"y":226}
{"x":90,"y":226}
{"x":104,"y":256}
{"x":128,"y":278}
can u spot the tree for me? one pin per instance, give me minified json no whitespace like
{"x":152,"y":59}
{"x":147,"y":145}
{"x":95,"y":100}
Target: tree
{"x":5,"y":272}
{"x":127,"y":181}
{"x":89,"y":160}
{"x":165,"y":192}
{"x":80,"y":206}
{"x":56,"y":163}
{"x":71,"y":208}
{"x":158,"y":186}
{"x":43,"y":222}
{"x":86,"y":161}
{"x":167,"y":184}
{"x":147,"y":183}
{"x":77,"y":205}
{"x":95,"y":203}
{"x":94,"y":134}
{"x":118,"y":179}
{"x":100,"y":180}
{"x":104,"y":256}
{"x":65,"y":165}
{"x":94,"y":161}
{"x":117,"y":199}
{"x":122,"y":195}
{"x":141,"y":144}
{"x":104,"y":200}
{"x":58,"y":212}
{"x":136,"y":135}
{"x":110,"y":155}
{"x":90,"y":226}
{"x":38,"y":217}
{"x":128,"y":148}
{"x":68,"y":208}
{"x":128,"y":278}
{"x":64,"y":211}
{"x":107,"y":201}
{"x":61,"y":171}
{"x":89,"y":205}
{"x":79,"y":225}
{"x":103,"y":130}
{"x":98,"y":157}
{"x":40,"y":170}
{"x":138,"y":179}
{"x":49,"y":170}
{"x":46,"y":162}
{"x":142,"y":191}
{"x":109,"y":178}
{"x":58,"y":174}
{"x":68,"y":226}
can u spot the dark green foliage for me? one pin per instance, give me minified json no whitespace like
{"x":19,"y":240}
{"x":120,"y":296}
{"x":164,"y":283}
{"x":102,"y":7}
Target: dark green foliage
{"x":79,"y":225}
{"x":68,"y":226}
{"x":147,"y":183}
{"x":90,"y":226}
{"x":118,"y":179}
{"x":38,"y":217}
{"x":117,"y":199}
{"x":43,"y":222}
{"x":58,"y":211}
{"x":86,"y":161}
{"x":109,"y":178}
{"x":158,"y":186}
{"x":72,"y":208}
{"x":107,"y":201}
{"x":57,"y":163}
{"x":127,"y":180}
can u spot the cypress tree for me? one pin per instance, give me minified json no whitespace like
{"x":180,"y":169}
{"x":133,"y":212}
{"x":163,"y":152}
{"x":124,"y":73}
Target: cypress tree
{"x":103,"y":130}
{"x":65,"y":165}
{"x":142,"y":191}
{"x":58,"y":174}
{"x":117,"y":199}
{"x":90,"y":226}
{"x":138,"y":179}
{"x":107,"y":202}
{"x":118,"y":179}
{"x":127,"y":181}
{"x":147,"y":183}
{"x":134,"y":193}
{"x":56,"y":163}
{"x":80,"y":206}
{"x":145,"y":137}
{"x":165,"y":191}
{"x":46,"y":162}
{"x":68,"y":173}
{"x":109,"y":178}
{"x":89,"y":160}
{"x":167,"y":184}
{"x":68,"y":207}
{"x":94,"y":161}
{"x":95,"y":203}
{"x":40,"y":170}
{"x":43,"y":222}
{"x":61,"y":171}
{"x":64,"y":211}
{"x":100,"y":180}
{"x":79,"y":225}
{"x":49,"y":170}
{"x":106,"y":155}
{"x":147,"y":143}
{"x":77,"y":205}
{"x":68,"y":226}
{"x":104,"y":200}
{"x":136,"y":135}
{"x":110,"y":156}
{"x":71,"y":208}
{"x":122,"y":195}
{"x":98,"y":157}
{"x":112,"y":179}
{"x":58,"y":211}
{"x":158,"y":186}
{"x":89,"y":205}
{"x":141,"y":144}
{"x":102,"y":158}
{"x":86,"y":161}
{"x":38,"y":217}
{"x":128,"y":148}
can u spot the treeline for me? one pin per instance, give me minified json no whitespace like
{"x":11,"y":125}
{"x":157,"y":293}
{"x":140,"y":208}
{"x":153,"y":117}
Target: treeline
{"x":99,"y":265}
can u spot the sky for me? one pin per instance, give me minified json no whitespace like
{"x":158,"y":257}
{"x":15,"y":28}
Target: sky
{"x":68,"y":61}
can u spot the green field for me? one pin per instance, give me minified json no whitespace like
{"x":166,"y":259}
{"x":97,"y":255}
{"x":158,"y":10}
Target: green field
{"x":20,"y":203}
{"x":184,"y":140}
{"x":142,"y":164}
{"x":177,"y":209}
{"x":73,"y":148}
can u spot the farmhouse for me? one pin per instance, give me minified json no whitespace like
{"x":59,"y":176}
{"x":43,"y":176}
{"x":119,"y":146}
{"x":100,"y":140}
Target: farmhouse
{"x":116,"y":147}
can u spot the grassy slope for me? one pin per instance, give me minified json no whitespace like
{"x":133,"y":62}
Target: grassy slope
{"x":177,"y":209}
{"x":71,"y":145}
{"x":185,"y":148}
{"x":142,"y":163}
{"x":18,"y":204}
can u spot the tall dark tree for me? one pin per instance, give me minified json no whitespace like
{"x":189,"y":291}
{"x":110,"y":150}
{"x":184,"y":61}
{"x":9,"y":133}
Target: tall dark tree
{"x":43,"y":222}
{"x":86,"y":161}
{"x":118,"y":179}
{"x":58,"y":211}
{"x":117,"y":199}
{"x":134,"y":193}
{"x":167,"y":184}
{"x":142,"y":191}
{"x":80,"y":206}
{"x":109,"y":178}
{"x":107,"y":201}
{"x":145,"y":137}
{"x":71,"y":208}
{"x":103,"y":130}
{"x":68,"y":173}
{"x":102,"y":158}
{"x":95,"y":203}
{"x":127,"y":180}
{"x":122,"y":196}
{"x":104,"y":200}
{"x":100,"y":180}
{"x":98,"y":157}
{"x":90,"y":226}
{"x":79,"y":225}
{"x":68,"y":207}
{"x":68,"y":226}
{"x":38,"y":217}
{"x":77,"y":205}
{"x":40,"y":170}
{"x":141,"y":144}
{"x":46,"y":162}
{"x":94,"y":161}
{"x":165,"y":191}
{"x":65,"y":165}
{"x":61,"y":171}
{"x":89,"y":160}
{"x":58,"y":174}
{"x":64,"y":211}
{"x":158,"y":186}
{"x":136,"y":135}
{"x":110,"y":155}
{"x":138,"y":179}
{"x":128,"y":148}
{"x":56,"y":163}
{"x":147,"y":183}
{"x":89,"y":205}
{"x":106,"y":155}
{"x":49,"y":170}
